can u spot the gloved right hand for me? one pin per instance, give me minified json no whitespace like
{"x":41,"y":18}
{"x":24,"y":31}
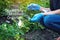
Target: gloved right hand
{"x":37,"y":17}
{"x":33,"y":6}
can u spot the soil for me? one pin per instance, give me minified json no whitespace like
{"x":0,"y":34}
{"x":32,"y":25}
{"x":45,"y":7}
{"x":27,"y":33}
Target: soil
{"x":45,"y":34}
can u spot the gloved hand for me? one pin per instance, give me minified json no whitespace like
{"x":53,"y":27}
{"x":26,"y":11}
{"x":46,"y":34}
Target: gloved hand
{"x":33,"y":6}
{"x":37,"y":17}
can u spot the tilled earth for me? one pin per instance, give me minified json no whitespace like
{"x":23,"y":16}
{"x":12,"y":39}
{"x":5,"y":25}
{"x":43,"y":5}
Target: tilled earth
{"x":41,"y":35}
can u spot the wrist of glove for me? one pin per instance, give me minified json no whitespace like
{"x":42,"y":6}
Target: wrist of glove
{"x":33,"y":6}
{"x":37,"y":17}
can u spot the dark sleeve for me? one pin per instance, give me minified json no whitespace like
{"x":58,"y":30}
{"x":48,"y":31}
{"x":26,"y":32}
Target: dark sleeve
{"x":51,"y":5}
{"x":54,"y":4}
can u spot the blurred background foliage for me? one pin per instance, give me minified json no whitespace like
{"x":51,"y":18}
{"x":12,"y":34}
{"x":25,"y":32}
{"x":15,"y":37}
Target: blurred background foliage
{"x":3,"y":5}
{"x":13,"y":31}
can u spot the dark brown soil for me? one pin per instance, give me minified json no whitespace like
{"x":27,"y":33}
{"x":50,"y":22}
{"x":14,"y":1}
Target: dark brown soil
{"x":41,"y":35}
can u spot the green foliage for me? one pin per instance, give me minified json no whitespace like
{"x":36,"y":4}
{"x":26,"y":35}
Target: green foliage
{"x":8,"y":30}
{"x":11,"y":32}
{"x":4,"y":4}
{"x":2,"y":7}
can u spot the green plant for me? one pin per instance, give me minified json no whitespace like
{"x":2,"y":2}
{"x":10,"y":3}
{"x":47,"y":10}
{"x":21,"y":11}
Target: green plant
{"x":7,"y":31}
{"x":2,"y":7}
{"x":11,"y":32}
{"x":4,"y":4}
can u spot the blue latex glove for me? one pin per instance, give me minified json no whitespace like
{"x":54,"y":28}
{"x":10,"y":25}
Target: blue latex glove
{"x":33,"y":6}
{"x":37,"y":17}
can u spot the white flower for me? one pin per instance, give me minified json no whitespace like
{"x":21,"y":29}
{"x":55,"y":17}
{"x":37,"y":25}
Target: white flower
{"x":20,"y":23}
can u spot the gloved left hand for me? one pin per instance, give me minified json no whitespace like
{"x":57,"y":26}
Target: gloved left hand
{"x":37,"y":17}
{"x":33,"y":6}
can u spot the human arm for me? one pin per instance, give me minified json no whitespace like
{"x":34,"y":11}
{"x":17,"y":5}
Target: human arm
{"x":58,"y":38}
{"x":43,"y":9}
{"x":52,"y":12}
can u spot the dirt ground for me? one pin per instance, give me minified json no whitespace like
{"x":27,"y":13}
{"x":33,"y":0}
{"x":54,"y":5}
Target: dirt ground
{"x":41,"y":35}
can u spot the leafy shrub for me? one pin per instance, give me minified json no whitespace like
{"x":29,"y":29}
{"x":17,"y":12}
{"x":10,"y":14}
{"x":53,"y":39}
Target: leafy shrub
{"x":7,"y":31}
{"x":4,"y":4}
{"x":11,"y":32}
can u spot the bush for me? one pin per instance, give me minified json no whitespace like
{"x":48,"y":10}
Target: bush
{"x":2,"y":7}
{"x":4,"y":4}
{"x":11,"y":32}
